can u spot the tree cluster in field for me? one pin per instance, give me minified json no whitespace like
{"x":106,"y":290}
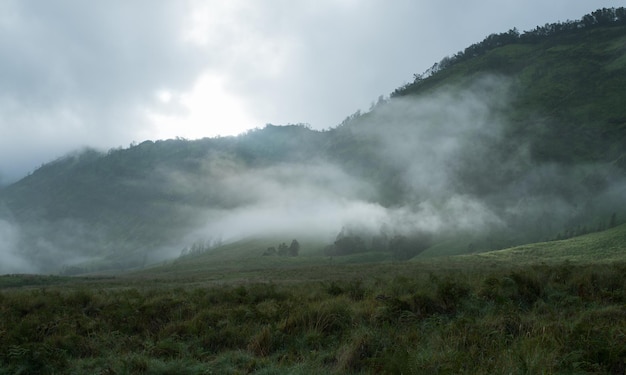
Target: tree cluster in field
{"x":401,"y":246}
{"x":200,"y":247}
{"x":283,"y":250}
{"x":599,"y":18}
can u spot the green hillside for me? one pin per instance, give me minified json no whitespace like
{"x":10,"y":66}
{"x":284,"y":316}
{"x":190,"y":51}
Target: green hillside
{"x":517,"y":139}
{"x":603,"y":247}
{"x":473,"y":223}
{"x":244,"y":260}
{"x":553,"y":307}
{"x":568,"y":87}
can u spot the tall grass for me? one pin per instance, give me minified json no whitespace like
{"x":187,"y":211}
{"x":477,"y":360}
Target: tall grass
{"x":533,"y":319}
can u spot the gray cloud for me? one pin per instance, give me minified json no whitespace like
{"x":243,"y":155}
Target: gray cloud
{"x":342,"y":54}
{"x":75,"y":73}
{"x":446,"y":148}
{"x":314,"y":199}
{"x":11,"y":261}
{"x":426,"y":139}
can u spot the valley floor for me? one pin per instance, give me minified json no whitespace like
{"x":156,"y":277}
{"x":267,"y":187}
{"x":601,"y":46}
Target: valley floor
{"x":425,"y":318}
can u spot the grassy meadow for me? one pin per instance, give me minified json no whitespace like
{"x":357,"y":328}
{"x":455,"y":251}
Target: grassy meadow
{"x":526,"y":127}
{"x":554,"y":308}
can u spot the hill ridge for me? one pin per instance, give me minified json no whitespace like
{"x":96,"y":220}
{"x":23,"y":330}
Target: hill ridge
{"x":512,"y":145}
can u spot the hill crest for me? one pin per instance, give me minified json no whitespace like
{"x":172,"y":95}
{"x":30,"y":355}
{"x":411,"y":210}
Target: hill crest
{"x":513,"y":143}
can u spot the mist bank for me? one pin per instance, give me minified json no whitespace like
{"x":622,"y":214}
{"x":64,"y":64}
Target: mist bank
{"x":447,"y":165}
{"x":409,"y":175}
{"x":460,"y":164}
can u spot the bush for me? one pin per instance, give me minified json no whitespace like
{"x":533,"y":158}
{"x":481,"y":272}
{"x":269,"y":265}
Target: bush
{"x":529,"y":289}
{"x":598,"y":341}
{"x":354,"y":354}
{"x":264,"y":342}
{"x":450,"y":293}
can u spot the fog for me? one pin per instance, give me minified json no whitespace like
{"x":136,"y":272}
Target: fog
{"x":10,"y":259}
{"x":44,"y":247}
{"x":460,"y":174}
{"x":289,"y":198}
{"x":450,"y":157}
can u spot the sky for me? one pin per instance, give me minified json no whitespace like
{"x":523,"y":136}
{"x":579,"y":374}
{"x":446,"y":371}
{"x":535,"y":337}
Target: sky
{"x":109,"y":74}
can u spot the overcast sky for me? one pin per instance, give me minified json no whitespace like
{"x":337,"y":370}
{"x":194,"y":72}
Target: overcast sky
{"x":77,"y":73}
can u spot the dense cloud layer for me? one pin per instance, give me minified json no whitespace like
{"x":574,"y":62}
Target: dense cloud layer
{"x":77,"y":73}
{"x":460,"y":176}
{"x":105,"y":74}
{"x":11,"y":260}
{"x":456,"y":172}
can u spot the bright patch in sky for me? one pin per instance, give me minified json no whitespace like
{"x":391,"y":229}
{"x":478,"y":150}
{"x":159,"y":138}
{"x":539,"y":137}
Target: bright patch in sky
{"x":208,"y":110}
{"x":105,"y":74}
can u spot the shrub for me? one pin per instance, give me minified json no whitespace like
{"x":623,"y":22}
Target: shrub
{"x":264,"y":342}
{"x":353,"y":355}
{"x":329,"y":317}
{"x":450,"y":293}
{"x":424,"y":305}
{"x":598,"y":340}
{"x":529,"y":289}
{"x":333,"y":289}
{"x":355,"y":290}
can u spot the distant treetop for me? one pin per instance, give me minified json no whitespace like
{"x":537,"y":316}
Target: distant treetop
{"x":599,"y":18}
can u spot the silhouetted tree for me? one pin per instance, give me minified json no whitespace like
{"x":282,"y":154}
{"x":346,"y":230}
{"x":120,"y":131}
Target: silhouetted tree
{"x":270,"y":251}
{"x":346,"y":245}
{"x":283,"y":249}
{"x":294,"y":248}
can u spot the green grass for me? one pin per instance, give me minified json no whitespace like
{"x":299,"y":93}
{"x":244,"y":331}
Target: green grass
{"x":554,"y":307}
{"x":29,"y":280}
{"x":556,"y":319}
{"x":608,"y":246}
{"x":243,"y":260}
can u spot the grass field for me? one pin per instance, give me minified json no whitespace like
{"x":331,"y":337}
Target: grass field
{"x":556,"y":307}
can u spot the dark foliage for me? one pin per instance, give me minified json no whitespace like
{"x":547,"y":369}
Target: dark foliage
{"x":605,"y":17}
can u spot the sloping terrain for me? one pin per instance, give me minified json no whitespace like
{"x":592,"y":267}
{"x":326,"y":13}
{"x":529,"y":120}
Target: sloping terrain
{"x":245,"y":260}
{"x":555,"y":307}
{"x":519,"y":138}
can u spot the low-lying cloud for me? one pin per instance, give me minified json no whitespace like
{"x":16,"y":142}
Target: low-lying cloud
{"x":449,"y":157}
{"x":11,"y":261}
{"x":458,"y":170}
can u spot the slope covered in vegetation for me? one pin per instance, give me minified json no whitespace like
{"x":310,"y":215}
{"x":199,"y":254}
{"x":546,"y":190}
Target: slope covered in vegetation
{"x":519,"y":138}
{"x":443,"y":315}
{"x":568,"y":75}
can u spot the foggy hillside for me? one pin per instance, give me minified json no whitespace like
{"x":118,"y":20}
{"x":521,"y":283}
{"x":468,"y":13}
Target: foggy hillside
{"x":517,"y":139}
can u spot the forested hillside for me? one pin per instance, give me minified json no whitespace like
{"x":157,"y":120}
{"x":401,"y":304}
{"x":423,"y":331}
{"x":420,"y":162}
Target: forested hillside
{"x":568,"y":77}
{"x":518,"y":138}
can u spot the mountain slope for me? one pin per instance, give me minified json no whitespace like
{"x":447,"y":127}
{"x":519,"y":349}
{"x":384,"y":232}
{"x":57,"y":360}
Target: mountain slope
{"x":520,"y":138}
{"x":603,"y":247}
{"x":243,"y":260}
{"x":568,"y":78}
